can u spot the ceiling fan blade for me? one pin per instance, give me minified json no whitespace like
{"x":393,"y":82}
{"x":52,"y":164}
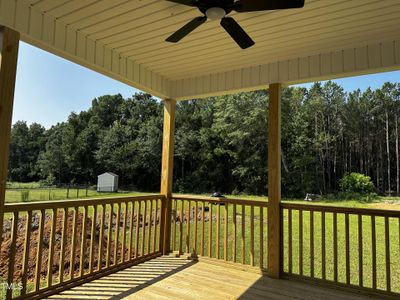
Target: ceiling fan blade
{"x":259,"y":5}
{"x":237,"y":32}
{"x":184,"y":2}
{"x":185,"y":30}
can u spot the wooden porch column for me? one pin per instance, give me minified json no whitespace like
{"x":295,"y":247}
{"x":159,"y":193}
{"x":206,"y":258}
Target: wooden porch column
{"x":167,"y":172}
{"x":274,"y":181}
{"x":9,"y":42}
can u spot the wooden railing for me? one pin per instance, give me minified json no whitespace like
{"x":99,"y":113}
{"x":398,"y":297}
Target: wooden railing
{"x":232,"y":230}
{"x":345,"y":246}
{"x":53,"y":245}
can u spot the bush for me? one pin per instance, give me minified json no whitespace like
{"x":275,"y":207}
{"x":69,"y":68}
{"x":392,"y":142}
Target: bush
{"x":356,"y":183}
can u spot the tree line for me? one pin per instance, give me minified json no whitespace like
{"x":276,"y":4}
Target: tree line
{"x":221,"y":142}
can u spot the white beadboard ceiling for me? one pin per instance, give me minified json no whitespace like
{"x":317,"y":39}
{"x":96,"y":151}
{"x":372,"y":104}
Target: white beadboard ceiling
{"x":124,"y":39}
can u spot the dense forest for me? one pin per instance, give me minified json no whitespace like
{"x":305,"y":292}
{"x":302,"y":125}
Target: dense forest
{"x":221,"y":142}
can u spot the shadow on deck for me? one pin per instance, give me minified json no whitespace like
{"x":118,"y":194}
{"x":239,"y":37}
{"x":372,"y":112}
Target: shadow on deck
{"x":178,"y":278}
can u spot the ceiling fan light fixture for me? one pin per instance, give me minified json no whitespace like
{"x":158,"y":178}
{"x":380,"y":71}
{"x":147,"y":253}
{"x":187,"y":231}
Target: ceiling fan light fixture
{"x":215,"y":13}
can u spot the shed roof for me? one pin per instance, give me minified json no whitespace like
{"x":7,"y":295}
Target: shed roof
{"x":125,"y":40}
{"x":108,"y":173}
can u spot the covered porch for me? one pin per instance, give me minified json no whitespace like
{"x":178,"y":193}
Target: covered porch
{"x":167,"y":245}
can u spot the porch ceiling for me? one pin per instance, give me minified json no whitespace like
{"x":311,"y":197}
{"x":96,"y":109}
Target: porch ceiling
{"x":125,"y":40}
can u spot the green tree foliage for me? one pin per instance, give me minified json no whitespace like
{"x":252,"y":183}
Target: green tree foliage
{"x":221,"y":142}
{"x":27,"y":142}
{"x":356,"y":183}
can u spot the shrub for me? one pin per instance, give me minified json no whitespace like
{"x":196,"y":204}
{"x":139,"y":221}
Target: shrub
{"x":356,"y":183}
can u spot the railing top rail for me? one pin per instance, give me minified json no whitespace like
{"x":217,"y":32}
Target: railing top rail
{"x":221,"y":200}
{"x":341,"y":209}
{"x":13,"y":207}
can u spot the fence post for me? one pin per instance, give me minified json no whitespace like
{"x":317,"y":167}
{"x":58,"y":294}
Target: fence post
{"x":274,"y":181}
{"x":166,"y":173}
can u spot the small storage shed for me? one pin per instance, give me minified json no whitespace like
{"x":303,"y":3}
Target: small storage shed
{"x":107,"y":182}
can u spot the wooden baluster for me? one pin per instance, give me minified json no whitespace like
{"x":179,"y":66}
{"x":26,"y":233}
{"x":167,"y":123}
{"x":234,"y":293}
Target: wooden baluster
{"x":73,"y":243}
{"x":387,"y":255}
{"x":202,"y":229}
{"x":252,"y":235}
{"x":150,"y":225}
{"x":109,"y":231}
{"x":139,"y":208}
{"x":63,"y":245}
{"x":210,"y":229}
{"x":261,"y":237}
{"x":234,"y":233}
{"x":373,"y":245}
{"x":132,"y":211}
{"x":194,"y":250}
{"x":347,"y":235}
{"x":144,"y":227}
{"x":155,"y":227}
{"x":83,"y":242}
{"x":243,"y":234}
{"x":116,"y":238}
{"x":12,"y":252}
{"x":124,"y":232}
{"x":92,"y":239}
{"x":323,"y":246}
{"x":360,"y":252}
{"x":188,"y":228}
{"x":181,"y":228}
{"x":51,"y":248}
{"x":39,"y":250}
{"x":195,"y":229}
{"x":226,"y":233}
{"x":290,"y":229}
{"x":175,"y":203}
{"x":25,"y":259}
{"x":335,"y":248}
{"x":312,"y":244}
{"x":301,"y":242}
{"x":217,"y":232}
{"x":101,"y":237}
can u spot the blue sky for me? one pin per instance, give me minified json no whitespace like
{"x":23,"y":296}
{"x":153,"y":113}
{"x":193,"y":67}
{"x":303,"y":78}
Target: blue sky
{"x":49,"y":88}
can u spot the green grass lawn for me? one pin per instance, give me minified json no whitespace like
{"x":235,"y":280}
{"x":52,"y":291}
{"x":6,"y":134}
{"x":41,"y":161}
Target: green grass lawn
{"x":56,"y":194}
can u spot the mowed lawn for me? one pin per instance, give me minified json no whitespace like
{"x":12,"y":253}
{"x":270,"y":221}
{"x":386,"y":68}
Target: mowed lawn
{"x":56,"y":194}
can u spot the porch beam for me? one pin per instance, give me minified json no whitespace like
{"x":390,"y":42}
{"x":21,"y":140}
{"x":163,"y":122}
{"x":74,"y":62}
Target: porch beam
{"x":9,"y":42}
{"x":274,"y":181}
{"x":167,"y":172}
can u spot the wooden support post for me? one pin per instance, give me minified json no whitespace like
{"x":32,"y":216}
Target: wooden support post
{"x":166,"y":173}
{"x":9,"y":42}
{"x":274,"y":181}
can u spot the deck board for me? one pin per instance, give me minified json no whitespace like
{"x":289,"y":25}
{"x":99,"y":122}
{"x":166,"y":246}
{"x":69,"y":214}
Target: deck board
{"x":178,"y":278}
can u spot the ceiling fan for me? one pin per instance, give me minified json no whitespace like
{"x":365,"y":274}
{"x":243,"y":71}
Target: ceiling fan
{"x":219,"y":10}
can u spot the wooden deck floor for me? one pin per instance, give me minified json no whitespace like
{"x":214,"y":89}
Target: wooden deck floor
{"x":177,"y":278}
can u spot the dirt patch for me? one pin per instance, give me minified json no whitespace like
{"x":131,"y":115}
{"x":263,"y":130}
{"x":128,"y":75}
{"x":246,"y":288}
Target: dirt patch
{"x":395,"y":205}
{"x":33,"y":246}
